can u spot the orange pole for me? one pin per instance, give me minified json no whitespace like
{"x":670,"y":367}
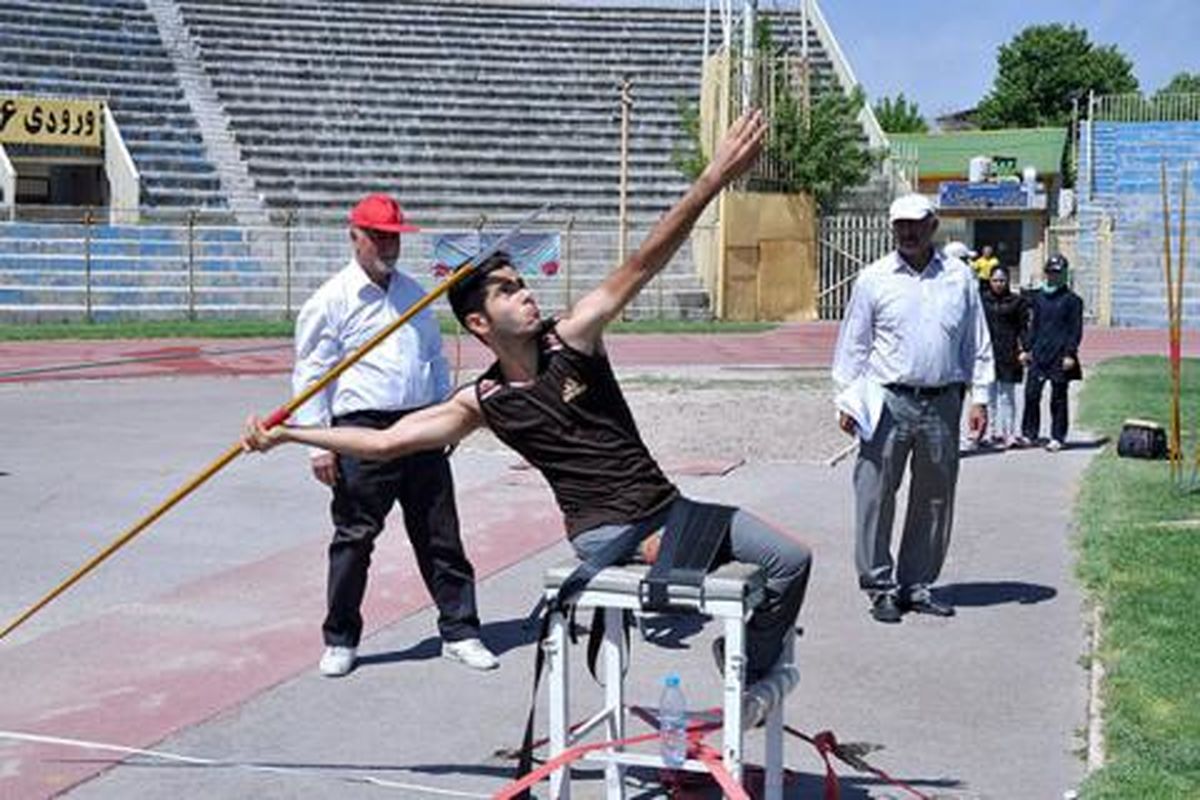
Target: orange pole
{"x":1173,"y":448}
{"x":1177,"y":346}
{"x":276,"y":418}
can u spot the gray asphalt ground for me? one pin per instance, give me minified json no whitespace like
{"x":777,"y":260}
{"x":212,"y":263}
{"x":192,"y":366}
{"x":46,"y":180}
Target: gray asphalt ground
{"x":989,"y":704}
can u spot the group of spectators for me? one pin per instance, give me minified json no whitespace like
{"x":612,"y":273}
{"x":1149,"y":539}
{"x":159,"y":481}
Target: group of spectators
{"x":1035,"y":338}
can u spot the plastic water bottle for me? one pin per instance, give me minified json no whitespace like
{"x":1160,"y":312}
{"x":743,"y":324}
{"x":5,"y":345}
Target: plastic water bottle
{"x":672,"y":723}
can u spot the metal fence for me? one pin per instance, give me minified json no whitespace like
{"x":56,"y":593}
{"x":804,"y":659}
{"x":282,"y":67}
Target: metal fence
{"x":69,"y":264}
{"x":846,"y":244}
{"x":1139,"y":108}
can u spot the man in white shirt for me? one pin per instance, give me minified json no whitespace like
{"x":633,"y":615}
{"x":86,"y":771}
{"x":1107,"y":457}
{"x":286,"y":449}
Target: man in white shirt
{"x":405,"y":372}
{"x":915,"y":326}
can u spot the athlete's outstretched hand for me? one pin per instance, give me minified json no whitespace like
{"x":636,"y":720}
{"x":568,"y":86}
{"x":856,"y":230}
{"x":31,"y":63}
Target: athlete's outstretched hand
{"x":740,"y":147}
{"x":256,"y":437}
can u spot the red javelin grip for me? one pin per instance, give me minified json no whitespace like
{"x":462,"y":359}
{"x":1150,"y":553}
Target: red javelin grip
{"x":276,"y":418}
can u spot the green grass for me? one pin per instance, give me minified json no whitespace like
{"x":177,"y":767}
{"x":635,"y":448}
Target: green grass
{"x":268,"y":329}
{"x":1146,"y":576}
{"x":156,"y":329}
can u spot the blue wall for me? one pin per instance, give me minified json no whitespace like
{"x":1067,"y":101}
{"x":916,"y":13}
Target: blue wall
{"x":1125,"y":183}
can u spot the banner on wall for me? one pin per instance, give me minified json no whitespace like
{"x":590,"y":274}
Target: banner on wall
{"x":531,"y":253}
{"x":50,"y":121}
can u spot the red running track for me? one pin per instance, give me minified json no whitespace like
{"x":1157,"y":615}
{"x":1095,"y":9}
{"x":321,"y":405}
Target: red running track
{"x":798,"y":345}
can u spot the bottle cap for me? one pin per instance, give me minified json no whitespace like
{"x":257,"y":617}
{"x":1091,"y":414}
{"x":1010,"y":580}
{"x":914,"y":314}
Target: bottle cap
{"x":671,"y":680}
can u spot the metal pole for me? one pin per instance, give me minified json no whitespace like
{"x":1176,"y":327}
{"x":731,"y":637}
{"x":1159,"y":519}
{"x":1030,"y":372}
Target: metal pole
{"x":707,"y":24}
{"x":1073,"y":141}
{"x":570,"y":255}
{"x":727,"y":26}
{"x":289,"y":220}
{"x":804,"y":30}
{"x":87,"y":265}
{"x":191,"y":264}
{"x":1091,"y":154}
{"x":623,"y":201}
{"x":749,"y":7}
{"x":659,"y":278}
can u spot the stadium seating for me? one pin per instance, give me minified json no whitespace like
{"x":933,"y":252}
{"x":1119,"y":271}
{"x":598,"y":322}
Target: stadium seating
{"x":110,"y":49}
{"x":467,"y":111}
{"x":458,"y":107}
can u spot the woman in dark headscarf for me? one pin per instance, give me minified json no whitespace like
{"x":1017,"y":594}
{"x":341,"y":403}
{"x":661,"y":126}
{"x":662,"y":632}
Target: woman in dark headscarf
{"x":1007,"y":316}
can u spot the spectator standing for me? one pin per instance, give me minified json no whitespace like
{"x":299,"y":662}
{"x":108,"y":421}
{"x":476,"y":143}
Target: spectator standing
{"x":1050,"y":351}
{"x":914,"y":326}
{"x":1007,"y":316}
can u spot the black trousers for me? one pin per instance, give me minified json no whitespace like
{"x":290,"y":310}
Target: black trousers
{"x":1031,"y":418}
{"x":362,"y":497}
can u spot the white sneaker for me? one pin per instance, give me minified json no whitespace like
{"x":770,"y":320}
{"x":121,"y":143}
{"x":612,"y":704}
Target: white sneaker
{"x":471,"y":652}
{"x":337,"y":661}
{"x":1054,"y":445}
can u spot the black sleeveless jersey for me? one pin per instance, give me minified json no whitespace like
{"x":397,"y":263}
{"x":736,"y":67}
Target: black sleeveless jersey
{"x":573,"y":425}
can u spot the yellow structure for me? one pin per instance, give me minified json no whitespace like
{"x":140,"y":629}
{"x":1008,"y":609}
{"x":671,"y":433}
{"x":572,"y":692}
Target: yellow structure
{"x":756,"y":252}
{"x":768,"y":257}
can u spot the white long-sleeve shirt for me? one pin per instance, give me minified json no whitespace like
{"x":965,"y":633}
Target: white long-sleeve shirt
{"x":922,"y":328}
{"x":406,"y":370}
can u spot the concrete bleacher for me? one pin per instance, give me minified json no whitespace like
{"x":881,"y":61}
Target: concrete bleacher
{"x":54,"y":271}
{"x":1120,"y":178}
{"x":111,"y":50}
{"x":458,"y":107}
{"x":462,"y":109}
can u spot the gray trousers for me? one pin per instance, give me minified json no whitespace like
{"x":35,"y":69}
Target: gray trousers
{"x":921,"y":433}
{"x":785,"y":561}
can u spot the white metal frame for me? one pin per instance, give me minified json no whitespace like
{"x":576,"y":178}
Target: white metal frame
{"x":615,"y":655}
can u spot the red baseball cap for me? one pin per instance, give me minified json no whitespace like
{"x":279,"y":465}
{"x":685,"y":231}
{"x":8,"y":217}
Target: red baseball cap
{"x":378,"y":212}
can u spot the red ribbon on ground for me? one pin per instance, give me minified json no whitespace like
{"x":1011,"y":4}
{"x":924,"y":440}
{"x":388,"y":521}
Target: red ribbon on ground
{"x":827,"y":744}
{"x":824,"y":742}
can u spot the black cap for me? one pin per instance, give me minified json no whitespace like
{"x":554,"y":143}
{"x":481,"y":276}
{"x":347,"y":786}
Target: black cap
{"x":1056,"y":263}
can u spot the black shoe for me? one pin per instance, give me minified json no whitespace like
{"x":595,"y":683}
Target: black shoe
{"x":928,"y":606}
{"x":885,"y":609}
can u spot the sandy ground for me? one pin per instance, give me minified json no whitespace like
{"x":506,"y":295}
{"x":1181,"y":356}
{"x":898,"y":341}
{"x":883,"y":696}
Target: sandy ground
{"x":732,"y":414}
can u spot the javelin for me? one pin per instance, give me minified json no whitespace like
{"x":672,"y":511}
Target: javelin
{"x":276,"y":418}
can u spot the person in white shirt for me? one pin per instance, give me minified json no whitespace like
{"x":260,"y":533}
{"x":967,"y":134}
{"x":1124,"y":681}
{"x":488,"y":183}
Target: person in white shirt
{"x":915,"y":326}
{"x":405,"y":372}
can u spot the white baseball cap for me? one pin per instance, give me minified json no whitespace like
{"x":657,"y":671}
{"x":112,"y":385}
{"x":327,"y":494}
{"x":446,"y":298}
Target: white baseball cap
{"x":958,"y":250}
{"x":912,"y":207}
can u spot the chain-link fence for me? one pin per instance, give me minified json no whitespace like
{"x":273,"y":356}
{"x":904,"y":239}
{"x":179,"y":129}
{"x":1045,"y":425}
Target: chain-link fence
{"x":70,"y":264}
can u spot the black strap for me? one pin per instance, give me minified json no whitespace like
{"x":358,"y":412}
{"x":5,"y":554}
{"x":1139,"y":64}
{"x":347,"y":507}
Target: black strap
{"x":599,"y":628}
{"x":525,"y":760}
{"x":606,"y":556}
{"x":693,"y":536}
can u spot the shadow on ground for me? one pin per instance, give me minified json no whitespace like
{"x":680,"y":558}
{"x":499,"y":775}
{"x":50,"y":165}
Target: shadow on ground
{"x":642,"y":783}
{"x":993,"y":593}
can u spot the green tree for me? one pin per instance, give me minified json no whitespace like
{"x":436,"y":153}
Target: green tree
{"x":820,"y":152}
{"x":1043,"y":69}
{"x":1182,"y":83}
{"x":898,"y":115}
{"x":687,"y":155}
{"x":1177,"y":100}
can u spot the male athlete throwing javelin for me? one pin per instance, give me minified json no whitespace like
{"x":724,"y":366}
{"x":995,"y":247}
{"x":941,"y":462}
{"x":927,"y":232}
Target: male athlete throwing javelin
{"x":551,"y":395}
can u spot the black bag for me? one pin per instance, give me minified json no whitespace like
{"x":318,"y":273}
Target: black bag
{"x":1142,"y":439}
